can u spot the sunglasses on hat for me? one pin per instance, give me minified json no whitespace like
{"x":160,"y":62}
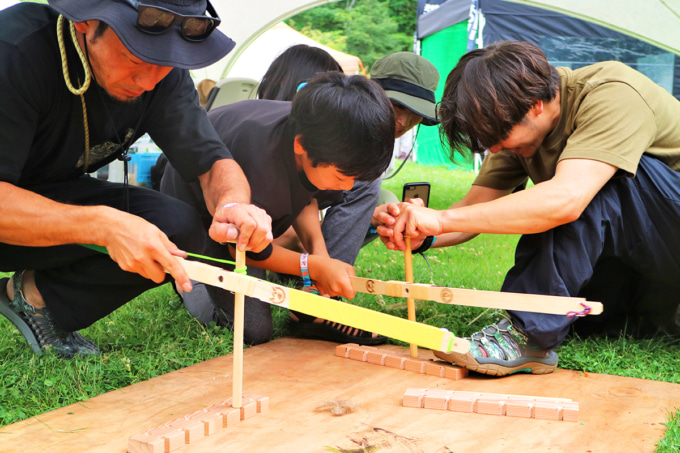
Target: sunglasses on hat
{"x":155,"y":20}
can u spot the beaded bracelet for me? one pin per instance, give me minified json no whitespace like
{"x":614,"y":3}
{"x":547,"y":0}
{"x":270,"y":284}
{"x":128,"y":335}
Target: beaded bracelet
{"x":306,"y":280}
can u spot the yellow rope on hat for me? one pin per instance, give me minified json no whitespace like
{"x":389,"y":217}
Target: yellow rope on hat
{"x":67,"y":78}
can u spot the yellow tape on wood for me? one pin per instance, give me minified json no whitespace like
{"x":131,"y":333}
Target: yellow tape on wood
{"x":361,"y":318}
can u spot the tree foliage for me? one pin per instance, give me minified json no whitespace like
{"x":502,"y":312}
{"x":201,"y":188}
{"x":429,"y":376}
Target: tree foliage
{"x":369,"y":29}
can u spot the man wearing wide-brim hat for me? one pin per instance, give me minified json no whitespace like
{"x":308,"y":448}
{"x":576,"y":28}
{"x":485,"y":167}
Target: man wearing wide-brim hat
{"x":79,"y":82}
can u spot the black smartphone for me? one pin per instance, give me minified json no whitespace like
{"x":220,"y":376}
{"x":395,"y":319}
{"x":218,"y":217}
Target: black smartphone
{"x":417,"y":190}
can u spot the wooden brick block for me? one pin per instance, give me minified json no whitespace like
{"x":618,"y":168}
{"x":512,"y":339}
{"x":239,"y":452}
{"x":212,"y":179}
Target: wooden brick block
{"x":415,"y":365}
{"x":462,"y":403}
{"x":375,"y":358}
{"x":436,"y":399}
{"x":395,"y":362}
{"x":490,"y":406}
{"x":570,"y":411}
{"x":546,"y":410}
{"x":174,"y":439}
{"x":194,"y":430}
{"x":211,"y":424}
{"x":357,"y":354}
{"x":146,"y":443}
{"x":342,"y":350}
{"x":413,"y":397}
{"x":262,"y":404}
{"x":455,"y":373}
{"x":248,"y":409}
{"x":522,"y":409}
{"x":432,"y":369}
{"x":191,"y":428}
{"x":230,"y":417}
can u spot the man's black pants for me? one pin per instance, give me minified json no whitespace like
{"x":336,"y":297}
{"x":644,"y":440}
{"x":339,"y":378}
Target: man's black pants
{"x":81,"y":286}
{"x":623,"y":251}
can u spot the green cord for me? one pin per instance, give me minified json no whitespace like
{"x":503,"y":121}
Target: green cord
{"x":238,"y":271}
{"x":242,"y":270}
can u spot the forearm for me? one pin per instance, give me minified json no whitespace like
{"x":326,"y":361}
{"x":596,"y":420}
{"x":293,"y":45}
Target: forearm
{"x":281,"y":260}
{"x":510,"y":215}
{"x":542,"y":207}
{"x":451,"y":239}
{"x":224,"y":183}
{"x":30,"y":219}
{"x":308,"y":228}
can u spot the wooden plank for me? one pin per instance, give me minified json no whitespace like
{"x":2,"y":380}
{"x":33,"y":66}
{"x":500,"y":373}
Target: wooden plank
{"x":322,"y":307}
{"x":556,"y":305}
{"x":617,"y":414}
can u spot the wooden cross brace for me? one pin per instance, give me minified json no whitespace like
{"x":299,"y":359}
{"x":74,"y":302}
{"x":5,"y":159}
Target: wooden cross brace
{"x":322,"y":307}
{"x":556,"y":305}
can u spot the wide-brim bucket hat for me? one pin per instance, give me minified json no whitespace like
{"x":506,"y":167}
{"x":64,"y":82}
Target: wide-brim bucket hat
{"x":410,"y":80}
{"x":166,"y":49}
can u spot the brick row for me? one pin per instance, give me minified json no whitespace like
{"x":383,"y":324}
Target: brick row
{"x":546,"y":408}
{"x":191,"y":428}
{"x":402,"y":361}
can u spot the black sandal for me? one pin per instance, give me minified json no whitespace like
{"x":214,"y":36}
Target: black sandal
{"x":332,"y":331}
{"x":38,"y":327}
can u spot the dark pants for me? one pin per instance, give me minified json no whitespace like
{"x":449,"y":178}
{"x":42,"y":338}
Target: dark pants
{"x":257,"y":317}
{"x":623,"y":251}
{"x":80,"y":285}
{"x":258,"y":326}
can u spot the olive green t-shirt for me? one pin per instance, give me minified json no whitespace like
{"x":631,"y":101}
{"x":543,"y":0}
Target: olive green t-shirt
{"x":609,"y":113}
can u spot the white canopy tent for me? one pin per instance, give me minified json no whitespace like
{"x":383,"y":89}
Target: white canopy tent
{"x":654,"y":21}
{"x":244,"y":22}
{"x":255,"y":60}
{"x":7,"y":3}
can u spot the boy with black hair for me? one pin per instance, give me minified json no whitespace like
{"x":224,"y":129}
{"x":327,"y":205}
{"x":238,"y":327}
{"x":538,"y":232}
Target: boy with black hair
{"x":338,"y":129}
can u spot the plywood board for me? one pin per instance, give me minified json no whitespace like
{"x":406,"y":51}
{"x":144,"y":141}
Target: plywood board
{"x":616,"y":413}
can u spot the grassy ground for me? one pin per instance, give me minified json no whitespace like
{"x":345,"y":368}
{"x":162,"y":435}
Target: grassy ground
{"x":154,"y":334}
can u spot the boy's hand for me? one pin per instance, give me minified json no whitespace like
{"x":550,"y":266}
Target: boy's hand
{"x":332,"y":277}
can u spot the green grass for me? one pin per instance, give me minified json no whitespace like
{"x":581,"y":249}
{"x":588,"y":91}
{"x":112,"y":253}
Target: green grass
{"x":154,"y":334}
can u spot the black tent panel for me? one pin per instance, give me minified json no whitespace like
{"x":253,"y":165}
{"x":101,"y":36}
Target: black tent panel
{"x":572,"y":42}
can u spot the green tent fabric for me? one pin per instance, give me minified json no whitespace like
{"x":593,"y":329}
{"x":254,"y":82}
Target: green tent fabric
{"x":443,"y":49}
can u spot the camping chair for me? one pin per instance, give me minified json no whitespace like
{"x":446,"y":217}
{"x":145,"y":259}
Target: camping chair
{"x":230,"y":90}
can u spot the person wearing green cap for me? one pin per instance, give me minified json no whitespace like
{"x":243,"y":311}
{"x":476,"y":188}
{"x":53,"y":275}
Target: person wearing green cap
{"x":409,"y":81}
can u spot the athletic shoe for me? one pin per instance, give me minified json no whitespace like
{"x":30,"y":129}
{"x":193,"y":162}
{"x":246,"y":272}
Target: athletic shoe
{"x":501,"y":349}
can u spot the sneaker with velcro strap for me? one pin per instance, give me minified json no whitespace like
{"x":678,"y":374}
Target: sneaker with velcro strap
{"x":501,"y":349}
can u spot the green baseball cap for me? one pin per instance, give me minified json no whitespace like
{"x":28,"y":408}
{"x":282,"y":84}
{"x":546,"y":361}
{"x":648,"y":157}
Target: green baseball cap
{"x":410,"y":80}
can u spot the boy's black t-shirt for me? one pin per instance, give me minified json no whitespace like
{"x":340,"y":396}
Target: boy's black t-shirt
{"x":42,"y":136}
{"x":260,"y":137}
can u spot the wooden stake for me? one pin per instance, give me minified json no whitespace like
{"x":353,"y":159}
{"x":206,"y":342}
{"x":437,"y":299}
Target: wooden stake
{"x":239,"y":308}
{"x":410,"y":302}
